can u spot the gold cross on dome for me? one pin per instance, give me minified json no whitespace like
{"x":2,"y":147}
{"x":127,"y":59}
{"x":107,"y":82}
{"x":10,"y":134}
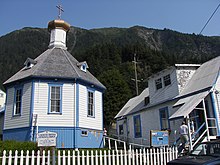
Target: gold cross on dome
{"x":60,"y":10}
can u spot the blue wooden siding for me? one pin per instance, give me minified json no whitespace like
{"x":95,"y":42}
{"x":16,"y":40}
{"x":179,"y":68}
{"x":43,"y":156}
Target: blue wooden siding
{"x":18,"y":134}
{"x":93,"y":140}
{"x":72,"y":137}
{"x":65,"y":135}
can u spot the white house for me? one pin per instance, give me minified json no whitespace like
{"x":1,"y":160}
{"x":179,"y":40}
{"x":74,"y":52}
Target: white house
{"x":182,"y":92}
{"x":2,"y":99}
{"x":55,"y":93}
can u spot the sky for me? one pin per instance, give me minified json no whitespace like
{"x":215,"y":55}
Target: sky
{"x":186,"y":16}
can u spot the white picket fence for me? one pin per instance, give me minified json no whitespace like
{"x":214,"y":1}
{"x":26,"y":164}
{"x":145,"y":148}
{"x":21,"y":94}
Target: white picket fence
{"x":153,"y":156}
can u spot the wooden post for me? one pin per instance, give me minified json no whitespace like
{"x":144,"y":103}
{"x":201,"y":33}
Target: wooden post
{"x":206,"y":121}
{"x":189,"y":133}
{"x":53,"y":156}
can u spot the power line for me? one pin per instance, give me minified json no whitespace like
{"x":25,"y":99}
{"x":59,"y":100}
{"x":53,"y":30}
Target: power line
{"x":209,"y":19}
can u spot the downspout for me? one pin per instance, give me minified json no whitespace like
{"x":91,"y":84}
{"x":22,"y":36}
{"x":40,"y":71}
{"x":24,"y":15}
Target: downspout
{"x":76,"y":111}
{"x":31,"y":112}
{"x":74,"y":115}
{"x":213,"y":102}
{"x":213,"y":98}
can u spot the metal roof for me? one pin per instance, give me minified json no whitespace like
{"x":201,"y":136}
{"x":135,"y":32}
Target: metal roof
{"x":189,"y":104}
{"x":55,"y":63}
{"x":134,"y":103}
{"x":204,"y":77}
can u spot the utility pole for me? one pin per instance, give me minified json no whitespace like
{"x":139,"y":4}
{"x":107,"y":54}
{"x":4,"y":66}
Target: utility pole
{"x":135,"y":72}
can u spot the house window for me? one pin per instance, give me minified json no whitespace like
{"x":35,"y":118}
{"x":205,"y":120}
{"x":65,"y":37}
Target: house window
{"x":166,"y":80}
{"x":164,"y":118}
{"x":146,"y":100}
{"x":121,"y":131}
{"x":84,"y":133}
{"x":158,"y":83}
{"x":1,"y":94}
{"x":90,"y":103}
{"x":55,"y":99}
{"x":18,"y":100}
{"x":137,"y":126}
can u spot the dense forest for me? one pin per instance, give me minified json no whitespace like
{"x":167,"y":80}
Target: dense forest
{"x":109,"y":53}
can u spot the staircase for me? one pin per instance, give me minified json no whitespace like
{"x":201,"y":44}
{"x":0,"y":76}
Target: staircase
{"x":206,"y":132}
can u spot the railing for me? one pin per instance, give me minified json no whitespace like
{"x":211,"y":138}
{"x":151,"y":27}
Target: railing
{"x":150,"y":156}
{"x":108,"y":141}
{"x":212,"y":126}
{"x":205,"y":130}
{"x":194,"y":138}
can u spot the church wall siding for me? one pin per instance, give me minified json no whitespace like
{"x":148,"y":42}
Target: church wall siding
{"x":22,"y":120}
{"x":41,"y":96}
{"x":84,"y":120}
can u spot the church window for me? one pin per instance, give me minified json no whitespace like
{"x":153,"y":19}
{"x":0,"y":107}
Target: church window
{"x":18,"y":101}
{"x":91,"y":103}
{"x":55,"y":99}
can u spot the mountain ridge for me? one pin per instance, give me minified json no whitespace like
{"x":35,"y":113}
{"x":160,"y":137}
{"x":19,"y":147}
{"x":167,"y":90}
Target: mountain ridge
{"x":181,"y":47}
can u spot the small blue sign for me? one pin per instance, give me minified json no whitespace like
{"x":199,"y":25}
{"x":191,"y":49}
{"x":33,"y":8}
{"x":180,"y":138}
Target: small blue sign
{"x":159,"y":138}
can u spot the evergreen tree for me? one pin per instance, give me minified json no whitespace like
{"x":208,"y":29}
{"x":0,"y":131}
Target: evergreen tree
{"x":116,"y":95}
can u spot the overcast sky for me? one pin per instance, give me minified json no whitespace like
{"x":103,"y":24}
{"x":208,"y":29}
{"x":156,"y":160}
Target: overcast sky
{"x":187,"y":16}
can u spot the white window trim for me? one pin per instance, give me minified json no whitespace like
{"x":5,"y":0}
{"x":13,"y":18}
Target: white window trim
{"x":49,"y":98}
{"x":93,"y":103}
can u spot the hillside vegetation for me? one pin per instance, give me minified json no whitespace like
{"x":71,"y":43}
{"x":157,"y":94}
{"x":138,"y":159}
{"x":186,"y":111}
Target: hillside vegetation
{"x":109,"y":53}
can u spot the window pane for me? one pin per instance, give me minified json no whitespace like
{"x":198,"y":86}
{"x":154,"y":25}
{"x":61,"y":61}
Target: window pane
{"x":17,"y":104}
{"x":90,"y":104}
{"x":164,"y":118}
{"x":137,"y":126}
{"x":158,"y":83}
{"x":55,"y":99}
{"x":167,"y":80}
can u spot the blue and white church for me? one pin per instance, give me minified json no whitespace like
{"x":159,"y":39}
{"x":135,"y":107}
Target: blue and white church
{"x":55,"y":93}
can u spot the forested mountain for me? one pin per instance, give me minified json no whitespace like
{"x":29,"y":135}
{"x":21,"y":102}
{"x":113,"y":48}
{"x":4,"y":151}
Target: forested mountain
{"x":109,"y":53}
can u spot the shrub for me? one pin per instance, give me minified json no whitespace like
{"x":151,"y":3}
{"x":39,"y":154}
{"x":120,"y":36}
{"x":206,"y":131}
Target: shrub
{"x":16,"y":145}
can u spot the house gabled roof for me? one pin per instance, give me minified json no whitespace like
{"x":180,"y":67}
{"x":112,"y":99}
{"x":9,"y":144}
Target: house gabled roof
{"x":197,"y":88}
{"x":204,"y":77}
{"x":134,"y":103}
{"x":55,"y":63}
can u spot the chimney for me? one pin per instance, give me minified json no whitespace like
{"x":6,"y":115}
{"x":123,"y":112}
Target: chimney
{"x":58,"y":30}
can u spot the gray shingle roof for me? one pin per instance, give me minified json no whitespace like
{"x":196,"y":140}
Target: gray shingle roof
{"x":55,"y":63}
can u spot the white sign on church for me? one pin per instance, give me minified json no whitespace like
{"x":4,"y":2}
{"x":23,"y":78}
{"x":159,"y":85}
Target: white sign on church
{"x":46,"y":139}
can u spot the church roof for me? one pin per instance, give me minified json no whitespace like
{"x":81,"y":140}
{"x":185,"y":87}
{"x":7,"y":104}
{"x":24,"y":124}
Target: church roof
{"x":55,"y":63}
